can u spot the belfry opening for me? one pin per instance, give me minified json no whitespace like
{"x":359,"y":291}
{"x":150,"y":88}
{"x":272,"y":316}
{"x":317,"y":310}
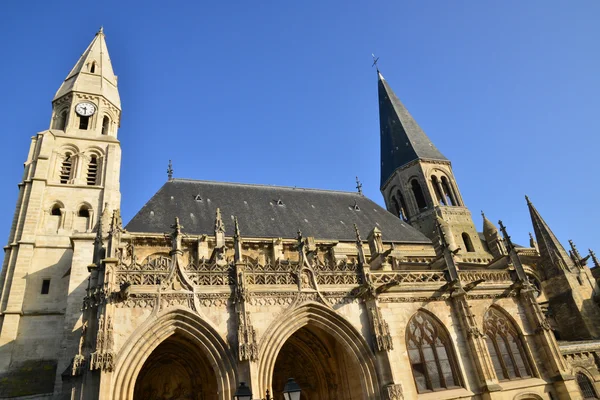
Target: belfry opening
{"x":323,"y":368}
{"x":176,"y":369}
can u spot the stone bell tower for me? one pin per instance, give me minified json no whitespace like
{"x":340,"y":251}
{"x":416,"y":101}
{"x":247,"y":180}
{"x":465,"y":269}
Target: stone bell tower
{"x":417,"y":181}
{"x":71,"y":174}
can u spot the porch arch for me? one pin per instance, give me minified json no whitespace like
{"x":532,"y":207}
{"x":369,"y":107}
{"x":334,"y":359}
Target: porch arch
{"x":155,"y":331}
{"x":317,"y":315}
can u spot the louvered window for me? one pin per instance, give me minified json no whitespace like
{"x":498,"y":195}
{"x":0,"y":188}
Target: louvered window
{"x":586,"y":387}
{"x":66,"y":169}
{"x":92,"y":172}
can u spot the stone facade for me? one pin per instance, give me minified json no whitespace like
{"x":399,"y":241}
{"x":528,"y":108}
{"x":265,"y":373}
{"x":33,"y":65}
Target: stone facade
{"x":92,"y":310}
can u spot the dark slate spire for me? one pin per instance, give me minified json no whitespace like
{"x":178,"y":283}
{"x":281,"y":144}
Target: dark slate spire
{"x":553,"y":254}
{"x":402,"y":139}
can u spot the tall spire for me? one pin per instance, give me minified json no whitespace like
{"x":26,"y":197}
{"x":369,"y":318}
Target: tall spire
{"x":551,"y":251}
{"x":93,"y":73}
{"x":402,"y":140}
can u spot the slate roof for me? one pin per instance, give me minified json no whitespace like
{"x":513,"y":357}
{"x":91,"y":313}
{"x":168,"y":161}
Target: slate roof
{"x":323,"y":214}
{"x":402,"y":139}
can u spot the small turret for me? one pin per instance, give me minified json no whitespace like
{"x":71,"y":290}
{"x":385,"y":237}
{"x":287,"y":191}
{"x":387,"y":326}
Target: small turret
{"x":493,"y":237}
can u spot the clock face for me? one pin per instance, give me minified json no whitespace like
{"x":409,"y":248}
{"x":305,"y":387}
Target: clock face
{"x":85,"y":109}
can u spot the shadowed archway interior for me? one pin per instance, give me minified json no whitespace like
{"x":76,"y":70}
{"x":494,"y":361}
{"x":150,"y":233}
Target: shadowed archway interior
{"x":176,"y":370}
{"x":323,"y":368}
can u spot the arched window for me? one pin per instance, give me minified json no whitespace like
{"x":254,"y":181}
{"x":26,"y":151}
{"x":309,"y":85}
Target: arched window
{"x":55,"y":210}
{"x":418,"y":193}
{"x":60,"y":122}
{"x":93,"y":67}
{"x":396,"y":205}
{"x":467,"y":241}
{"x":448,"y":194}
{"x":84,"y":122}
{"x":586,"y":387}
{"x":431,"y":356}
{"x":505,"y":346}
{"x":403,"y":211}
{"x":436,"y":188}
{"x":92,"y":172}
{"x":66,"y":169}
{"x":84,"y":212}
{"x":105,"y":125}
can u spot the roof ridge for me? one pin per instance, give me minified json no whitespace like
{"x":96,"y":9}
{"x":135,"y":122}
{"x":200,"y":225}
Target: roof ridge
{"x":257,"y":185}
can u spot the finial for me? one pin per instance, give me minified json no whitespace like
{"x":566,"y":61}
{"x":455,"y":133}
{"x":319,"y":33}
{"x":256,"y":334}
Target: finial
{"x":358,"y":238}
{"x":176,"y":235}
{"x":594,"y":258}
{"x":101,"y":30}
{"x":170,"y":170}
{"x":358,"y":186}
{"x":375,"y":59}
{"x":482,"y":214}
{"x":236,"y":233}
{"x":575,"y":251}
{"x":532,"y":241}
{"x":219,"y":226}
{"x":177,"y":226}
{"x":528,"y":201}
{"x":509,"y":244}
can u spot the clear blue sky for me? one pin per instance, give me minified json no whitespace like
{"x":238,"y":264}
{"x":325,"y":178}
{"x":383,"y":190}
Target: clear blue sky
{"x":282,"y":92}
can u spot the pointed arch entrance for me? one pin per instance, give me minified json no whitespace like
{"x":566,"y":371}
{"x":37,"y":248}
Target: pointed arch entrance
{"x":319,"y":364}
{"x":322,"y":351}
{"x":176,"y":342}
{"x":176,"y":369}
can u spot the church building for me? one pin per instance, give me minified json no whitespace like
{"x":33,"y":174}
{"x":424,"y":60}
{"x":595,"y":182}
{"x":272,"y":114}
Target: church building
{"x":214,"y":289}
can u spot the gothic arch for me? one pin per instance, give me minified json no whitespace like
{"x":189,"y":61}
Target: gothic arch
{"x":522,"y":350}
{"x":508,"y":316}
{"x":317,"y":315}
{"x":154,"y":331}
{"x":588,"y":382}
{"x":439,"y":340}
{"x":528,"y":396}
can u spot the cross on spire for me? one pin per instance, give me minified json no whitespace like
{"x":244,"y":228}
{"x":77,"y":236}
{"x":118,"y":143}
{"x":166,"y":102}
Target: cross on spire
{"x":375,"y":59}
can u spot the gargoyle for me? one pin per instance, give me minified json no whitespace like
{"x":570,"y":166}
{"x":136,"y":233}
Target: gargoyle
{"x":123,"y":292}
{"x":471,"y":285}
{"x":378,"y":259}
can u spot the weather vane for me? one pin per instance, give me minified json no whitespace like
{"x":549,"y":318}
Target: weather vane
{"x":358,"y":186}
{"x":375,"y":59}
{"x":170,"y":170}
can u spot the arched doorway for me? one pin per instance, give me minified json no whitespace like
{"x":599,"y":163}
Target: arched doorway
{"x":176,"y":370}
{"x":323,"y":367}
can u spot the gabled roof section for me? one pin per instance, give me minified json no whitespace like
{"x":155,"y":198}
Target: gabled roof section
{"x":99,"y":80}
{"x":552,"y":252}
{"x":268,"y":212}
{"x":402,"y":139}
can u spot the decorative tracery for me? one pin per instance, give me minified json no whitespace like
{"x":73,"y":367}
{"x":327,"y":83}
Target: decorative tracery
{"x":505,"y":346}
{"x":430,"y":353}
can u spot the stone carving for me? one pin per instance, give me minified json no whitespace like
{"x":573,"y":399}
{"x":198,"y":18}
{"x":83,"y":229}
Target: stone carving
{"x":409,"y":277}
{"x":139,"y":300}
{"x":393,"y":392}
{"x":382,"y":337}
{"x":103,"y":358}
{"x":487,"y":276}
{"x":177,"y":299}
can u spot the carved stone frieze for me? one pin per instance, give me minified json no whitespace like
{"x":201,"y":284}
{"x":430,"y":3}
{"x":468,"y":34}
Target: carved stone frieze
{"x":177,"y":299}
{"x":214,"y":299}
{"x":139,"y":300}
